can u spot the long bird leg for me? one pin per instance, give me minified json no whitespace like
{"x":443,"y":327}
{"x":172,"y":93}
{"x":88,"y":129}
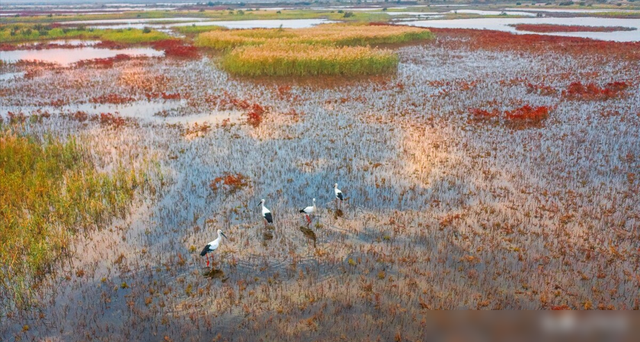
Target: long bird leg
{"x":308,"y":220}
{"x":207,"y":260}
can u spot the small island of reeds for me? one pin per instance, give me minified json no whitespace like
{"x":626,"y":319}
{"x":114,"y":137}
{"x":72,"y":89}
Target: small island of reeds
{"x":332,"y":49}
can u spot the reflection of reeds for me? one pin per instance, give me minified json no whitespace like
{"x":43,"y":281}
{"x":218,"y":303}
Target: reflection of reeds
{"x":304,"y":60}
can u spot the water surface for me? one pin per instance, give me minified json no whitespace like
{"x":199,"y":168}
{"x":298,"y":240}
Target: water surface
{"x":502,"y":24}
{"x":69,"y":56}
{"x":232,"y":24}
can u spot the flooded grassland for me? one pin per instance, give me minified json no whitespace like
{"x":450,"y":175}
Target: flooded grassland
{"x":456,"y":196}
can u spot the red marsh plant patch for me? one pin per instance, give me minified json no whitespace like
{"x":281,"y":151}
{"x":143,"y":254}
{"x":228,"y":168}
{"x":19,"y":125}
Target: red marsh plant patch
{"x":547,"y":28}
{"x":254,"y":117}
{"x":103,"y":62}
{"x":592,"y":92}
{"x":163,"y":95}
{"x":108,"y":119}
{"x":176,"y":48}
{"x":112,"y":98}
{"x":229,"y":183}
{"x":526,"y":114}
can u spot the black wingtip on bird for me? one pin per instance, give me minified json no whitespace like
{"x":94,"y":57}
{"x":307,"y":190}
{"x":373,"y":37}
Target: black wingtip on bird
{"x":266,"y":213}
{"x":212,"y":246}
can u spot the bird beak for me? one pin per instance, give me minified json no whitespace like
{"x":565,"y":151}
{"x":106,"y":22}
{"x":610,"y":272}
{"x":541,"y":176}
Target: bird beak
{"x":223,"y":235}
{"x":259,"y":203}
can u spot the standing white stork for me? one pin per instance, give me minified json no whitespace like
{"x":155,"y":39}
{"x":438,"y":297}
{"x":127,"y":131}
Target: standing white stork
{"x":338,"y":193}
{"x":266,"y":213}
{"x":308,"y":211}
{"x":212,"y":246}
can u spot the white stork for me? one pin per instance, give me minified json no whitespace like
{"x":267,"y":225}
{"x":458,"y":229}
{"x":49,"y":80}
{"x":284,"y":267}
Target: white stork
{"x":266,"y":213}
{"x":339,"y":197}
{"x":309,"y":211}
{"x":212,"y":246}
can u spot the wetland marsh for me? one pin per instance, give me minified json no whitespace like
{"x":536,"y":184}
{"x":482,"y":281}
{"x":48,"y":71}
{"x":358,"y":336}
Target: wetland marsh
{"x":487,"y":170}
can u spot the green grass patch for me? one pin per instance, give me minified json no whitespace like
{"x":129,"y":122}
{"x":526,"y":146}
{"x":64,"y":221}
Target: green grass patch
{"x":308,"y":60}
{"x":50,"y":191}
{"x":22,"y":33}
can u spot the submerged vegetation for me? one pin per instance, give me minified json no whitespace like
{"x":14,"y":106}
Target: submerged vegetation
{"x":331,"y":49}
{"x":50,"y":191}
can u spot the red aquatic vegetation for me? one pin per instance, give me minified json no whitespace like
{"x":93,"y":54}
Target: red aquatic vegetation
{"x":524,"y":113}
{"x":103,"y":62}
{"x":16,"y":117}
{"x":541,"y":89}
{"x":56,"y":103}
{"x":80,"y":116}
{"x":176,"y":48}
{"x":8,"y":47}
{"x":226,"y":101}
{"x":163,"y":95}
{"x":254,"y":117}
{"x":229,"y":182}
{"x":545,"y":28}
{"x":527,"y":112}
{"x":284,"y":91}
{"x":111,"y":98}
{"x":109,"y":119}
{"x":483,"y":113}
{"x":592,"y":92}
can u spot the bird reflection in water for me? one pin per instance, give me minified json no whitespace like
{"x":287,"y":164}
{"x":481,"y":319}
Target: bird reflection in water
{"x":309,"y":234}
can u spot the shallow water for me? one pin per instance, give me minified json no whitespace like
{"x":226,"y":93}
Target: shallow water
{"x":502,"y":24}
{"x":232,"y":24}
{"x":69,"y":56}
{"x":481,"y":12}
{"x":11,"y":75}
{"x":74,"y":42}
{"x":570,"y":10}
